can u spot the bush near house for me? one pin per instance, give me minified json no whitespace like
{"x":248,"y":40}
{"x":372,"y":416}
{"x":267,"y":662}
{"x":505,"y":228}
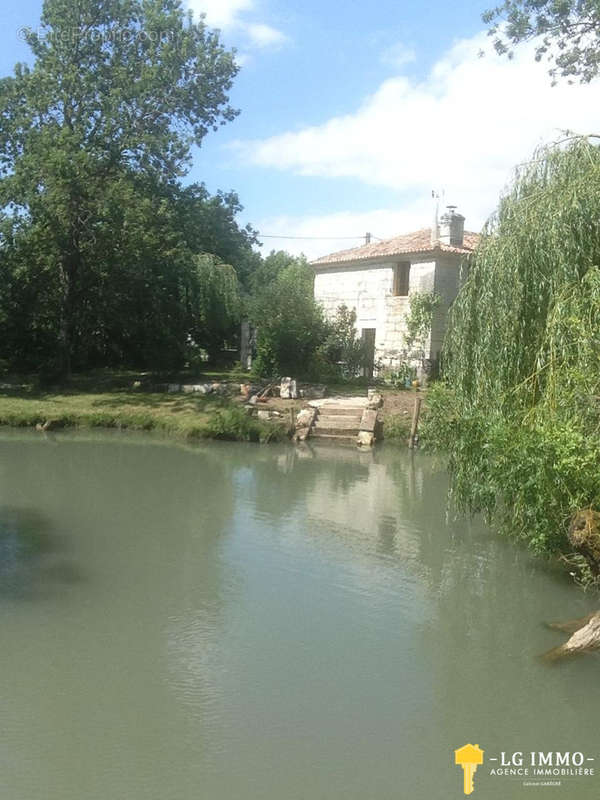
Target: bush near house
{"x":294,"y":337}
{"x":344,"y":353}
{"x":290,"y":325}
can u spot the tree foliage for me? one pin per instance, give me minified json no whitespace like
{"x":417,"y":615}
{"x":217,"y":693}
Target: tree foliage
{"x":294,"y":335}
{"x":208,"y":225}
{"x":419,"y":320}
{"x":270,"y":267}
{"x":97,"y":252}
{"x":519,"y":413}
{"x":290,"y":324}
{"x":567,"y":33}
{"x":213,"y":303}
{"x":342,"y":349}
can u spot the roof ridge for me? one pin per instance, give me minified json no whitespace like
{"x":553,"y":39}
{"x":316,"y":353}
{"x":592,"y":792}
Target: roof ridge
{"x":418,"y":241}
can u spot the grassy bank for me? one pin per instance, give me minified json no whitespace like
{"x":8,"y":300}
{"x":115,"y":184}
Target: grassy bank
{"x":181,"y":416}
{"x":106,"y":399}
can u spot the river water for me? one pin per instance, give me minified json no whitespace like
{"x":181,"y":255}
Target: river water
{"x":233,"y":622}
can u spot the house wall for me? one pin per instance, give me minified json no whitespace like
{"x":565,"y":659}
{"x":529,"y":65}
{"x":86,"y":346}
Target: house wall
{"x":446,"y":284}
{"x":368,"y":290}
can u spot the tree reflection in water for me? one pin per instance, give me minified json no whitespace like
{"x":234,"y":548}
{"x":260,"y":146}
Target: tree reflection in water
{"x":31,"y":554}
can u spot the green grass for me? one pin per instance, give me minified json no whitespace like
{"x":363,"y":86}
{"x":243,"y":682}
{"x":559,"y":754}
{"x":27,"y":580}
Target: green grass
{"x":182,"y":416}
{"x":396,"y":427}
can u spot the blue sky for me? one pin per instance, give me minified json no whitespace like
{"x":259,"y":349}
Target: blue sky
{"x":351,"y":114}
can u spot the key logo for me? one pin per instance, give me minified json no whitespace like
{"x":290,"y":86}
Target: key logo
{"x":469,"y":756}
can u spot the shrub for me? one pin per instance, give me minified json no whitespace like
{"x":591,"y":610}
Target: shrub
{"x":420,"y":318}
{"x":341,"y":349}
{"x":290,"y":324}
{"x":397,"y":426}
{"x":234,"y":424}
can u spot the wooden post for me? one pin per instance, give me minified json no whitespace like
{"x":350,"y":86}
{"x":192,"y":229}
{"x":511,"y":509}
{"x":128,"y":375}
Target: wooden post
{"x":415,"y":422}
{"x":245,"y":344}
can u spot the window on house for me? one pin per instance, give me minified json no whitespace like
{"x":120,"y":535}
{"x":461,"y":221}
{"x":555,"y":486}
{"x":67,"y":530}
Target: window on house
{"x":401,"y":279}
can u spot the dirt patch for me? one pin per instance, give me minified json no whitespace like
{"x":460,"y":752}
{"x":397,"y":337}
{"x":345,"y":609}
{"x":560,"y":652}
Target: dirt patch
{"x":402,"y":403}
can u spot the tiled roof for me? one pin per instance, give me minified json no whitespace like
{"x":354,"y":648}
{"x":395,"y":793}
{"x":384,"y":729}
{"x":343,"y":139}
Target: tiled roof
{"x":417,"y":242}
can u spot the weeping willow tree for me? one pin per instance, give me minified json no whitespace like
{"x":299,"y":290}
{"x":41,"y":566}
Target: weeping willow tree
{"x":519,"y":408}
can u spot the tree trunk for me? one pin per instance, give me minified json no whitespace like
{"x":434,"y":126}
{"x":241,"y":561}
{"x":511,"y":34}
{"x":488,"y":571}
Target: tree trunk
{"x":70,"y":271}
{"x":585,"y":637}
{"x":66,"y":318}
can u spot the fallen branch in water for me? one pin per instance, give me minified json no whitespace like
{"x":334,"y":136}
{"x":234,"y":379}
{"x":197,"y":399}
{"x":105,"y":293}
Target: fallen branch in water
{"x":585,"y":637}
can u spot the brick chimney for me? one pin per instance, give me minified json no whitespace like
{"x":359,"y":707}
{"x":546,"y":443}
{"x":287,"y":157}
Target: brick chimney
{"x":452,"y":227}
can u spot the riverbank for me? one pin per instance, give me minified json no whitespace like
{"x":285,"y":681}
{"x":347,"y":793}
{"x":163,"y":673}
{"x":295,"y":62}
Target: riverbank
{"x":177,"y":415}
{"x":190,"y":416}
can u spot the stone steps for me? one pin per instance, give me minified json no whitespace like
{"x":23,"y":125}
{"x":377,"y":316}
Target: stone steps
{"x":341,"y":421}
{"x":337,"y":422}
{"x":354,"y":403}
{"x":350,"y":433}
{"x":340,"y":411}
{"x":336,"y":437}
{"x":349,"y":419}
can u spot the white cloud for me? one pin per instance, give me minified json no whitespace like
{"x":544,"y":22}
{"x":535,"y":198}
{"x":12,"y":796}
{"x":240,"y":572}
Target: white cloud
{"x":463,"y":130}
{"x":229,"y":15}
{"x":265,"y":36}
{"x":221,"y":13}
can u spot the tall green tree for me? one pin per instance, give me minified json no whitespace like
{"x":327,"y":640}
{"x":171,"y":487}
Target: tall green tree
{"x":208,"y":224}
{"x":118,"y":93}
{"x":566,"y":32}
{"x":290,"y":324}
{"x":270,"y":267}
{"x":519,"y":413}
{"x":138,"y":303}
{"x":213,"y":303}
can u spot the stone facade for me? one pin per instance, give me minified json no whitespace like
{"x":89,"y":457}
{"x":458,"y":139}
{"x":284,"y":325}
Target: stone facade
{"x":368,"y":288}
{"x":372,"y":280}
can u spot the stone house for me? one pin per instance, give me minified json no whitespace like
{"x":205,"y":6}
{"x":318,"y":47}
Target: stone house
{"x":377,"y":279}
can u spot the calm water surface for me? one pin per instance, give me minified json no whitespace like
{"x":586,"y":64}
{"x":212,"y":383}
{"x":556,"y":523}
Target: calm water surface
{"x":239,"y":622}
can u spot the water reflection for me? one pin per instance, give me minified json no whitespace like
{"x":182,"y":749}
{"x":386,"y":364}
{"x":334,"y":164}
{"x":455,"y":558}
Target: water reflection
{"x":471,"y":605}
{"x":265,"y":622}
{"x":31,"y":557}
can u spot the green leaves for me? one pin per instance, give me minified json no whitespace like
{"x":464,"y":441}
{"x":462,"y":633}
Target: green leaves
{"x":566,"y":32}
{"x":99,"y":242}
{"x":290,"y":324}
{"x":420,"y":317}
{"x":136,"y":82}
{"x":213,"y":303}
{"x":341,"y":348}
{"x":519,"y":413}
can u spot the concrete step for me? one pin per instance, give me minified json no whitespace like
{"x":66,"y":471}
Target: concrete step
{"x":357,"y":403}
{"x":339,"y":437}
{"x":344,"y":422}
{"x":350,"y":432}
{"x":341,"y":411}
